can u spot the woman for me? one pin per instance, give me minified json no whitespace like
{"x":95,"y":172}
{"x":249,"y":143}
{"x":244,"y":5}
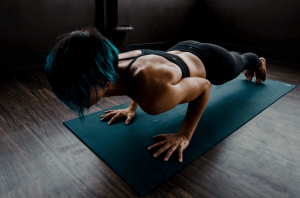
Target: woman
{"x":84,"y":66}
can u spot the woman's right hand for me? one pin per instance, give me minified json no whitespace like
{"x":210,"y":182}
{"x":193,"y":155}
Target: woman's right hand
{"x":129,"y":113}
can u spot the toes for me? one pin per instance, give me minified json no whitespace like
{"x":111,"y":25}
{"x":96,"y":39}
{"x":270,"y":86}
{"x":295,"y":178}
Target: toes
{"x":249,"y":78}
{"x":249,"y":75}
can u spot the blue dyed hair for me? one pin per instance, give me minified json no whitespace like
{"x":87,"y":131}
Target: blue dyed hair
{"x":78,"y":62}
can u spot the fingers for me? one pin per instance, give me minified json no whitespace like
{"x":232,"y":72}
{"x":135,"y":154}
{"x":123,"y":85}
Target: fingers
{"x":128,"y":119}
{"x":109,"y":115}
{"x":114,"y":118}
{"x":106,"y":115}
{"x":172,"y":142}
{"x":118,"y":113}
{"x":162,"y":135}
{"x":157,"y":144}
{"x":170,"y":152}
{"x":162,"y":149}
{"x":180,"y":150}
{"x":109,"y":112}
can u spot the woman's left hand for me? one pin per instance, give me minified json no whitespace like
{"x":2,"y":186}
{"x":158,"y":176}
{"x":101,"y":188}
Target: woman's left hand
{"x":173,"y":140}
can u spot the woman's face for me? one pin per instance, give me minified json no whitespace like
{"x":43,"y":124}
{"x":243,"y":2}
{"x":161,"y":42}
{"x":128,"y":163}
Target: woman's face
{"x":93,"y":95}
{"x":108,"y":91}
{"x":93,"y":98}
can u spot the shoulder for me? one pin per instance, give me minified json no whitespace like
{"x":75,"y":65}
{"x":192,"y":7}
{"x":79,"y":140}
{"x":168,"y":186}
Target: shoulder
{"x":151,"y":74}
{"x":149,"y":85}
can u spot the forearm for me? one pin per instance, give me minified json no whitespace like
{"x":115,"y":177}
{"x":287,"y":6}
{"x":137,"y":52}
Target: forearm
{"x":133,"y":105}
{"x":194,"y":113}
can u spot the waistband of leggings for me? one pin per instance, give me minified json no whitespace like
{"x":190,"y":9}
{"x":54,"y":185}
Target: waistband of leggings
{"x":188,"y":42}
{"x":203,"y":56}
{"x":196,"y":50}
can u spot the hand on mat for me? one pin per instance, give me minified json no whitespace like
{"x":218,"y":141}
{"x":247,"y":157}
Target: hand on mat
{"x":172,"y":141}
{"x":119,"y":113}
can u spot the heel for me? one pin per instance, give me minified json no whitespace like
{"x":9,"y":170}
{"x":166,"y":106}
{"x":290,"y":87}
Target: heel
{"x":261,"y":72}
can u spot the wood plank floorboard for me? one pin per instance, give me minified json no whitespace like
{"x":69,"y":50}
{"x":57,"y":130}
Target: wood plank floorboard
{"x":40,"y":157}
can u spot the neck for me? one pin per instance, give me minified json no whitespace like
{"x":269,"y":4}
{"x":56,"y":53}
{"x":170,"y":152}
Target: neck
{"x":119,"y":88}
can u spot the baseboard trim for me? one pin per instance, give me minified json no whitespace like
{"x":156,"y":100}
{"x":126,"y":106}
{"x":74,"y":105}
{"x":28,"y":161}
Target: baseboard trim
{"x":20,"y":62}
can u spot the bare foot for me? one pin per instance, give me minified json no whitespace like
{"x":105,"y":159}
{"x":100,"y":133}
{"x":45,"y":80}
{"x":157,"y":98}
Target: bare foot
{"x":261,"y":72}
{"x":249,"y":74}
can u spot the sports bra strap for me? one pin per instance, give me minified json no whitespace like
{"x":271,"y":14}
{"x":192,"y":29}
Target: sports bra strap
{"x":132,"y":57}
{"x":127,"y":58}
{"x":171,"y":57}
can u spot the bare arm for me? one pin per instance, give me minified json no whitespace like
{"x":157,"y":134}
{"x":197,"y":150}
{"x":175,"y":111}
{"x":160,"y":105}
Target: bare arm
{"x":133,"y":105}
{"x":194,"y":113}
{"x":194,"y":90}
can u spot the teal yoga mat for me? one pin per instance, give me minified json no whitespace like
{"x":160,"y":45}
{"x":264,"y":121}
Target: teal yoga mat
{"x":125,"y":148}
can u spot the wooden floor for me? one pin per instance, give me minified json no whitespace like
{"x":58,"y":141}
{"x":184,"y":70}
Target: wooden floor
{"x":40,"y":157}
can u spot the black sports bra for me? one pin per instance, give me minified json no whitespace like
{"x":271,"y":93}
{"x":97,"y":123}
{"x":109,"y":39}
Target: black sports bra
{"x":171,"y":57}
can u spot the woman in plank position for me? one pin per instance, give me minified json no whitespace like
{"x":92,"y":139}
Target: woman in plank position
{"x":84,"y":66}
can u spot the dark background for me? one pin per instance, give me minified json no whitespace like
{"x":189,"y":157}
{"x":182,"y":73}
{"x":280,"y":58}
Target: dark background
{"x":266,"y":27}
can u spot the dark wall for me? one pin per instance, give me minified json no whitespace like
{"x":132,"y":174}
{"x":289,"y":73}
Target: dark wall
{"x":31,"y":26}
{"x":159,"y":20}
{"x":266,"y":27}
{"x":258,"y":23}
{"x":28,"y":28}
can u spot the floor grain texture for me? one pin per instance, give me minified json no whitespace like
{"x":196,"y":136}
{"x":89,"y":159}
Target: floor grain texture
{"x":40,"y":157}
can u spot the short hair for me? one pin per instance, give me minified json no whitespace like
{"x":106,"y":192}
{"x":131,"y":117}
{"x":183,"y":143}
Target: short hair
{"x":78,"y":61}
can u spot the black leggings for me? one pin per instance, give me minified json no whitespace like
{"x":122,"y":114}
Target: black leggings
{"x":221,"y":65}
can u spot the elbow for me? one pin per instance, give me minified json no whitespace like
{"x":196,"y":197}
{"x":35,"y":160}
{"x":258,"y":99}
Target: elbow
{"x":208,"y":83}
{"x":152,"y":111}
